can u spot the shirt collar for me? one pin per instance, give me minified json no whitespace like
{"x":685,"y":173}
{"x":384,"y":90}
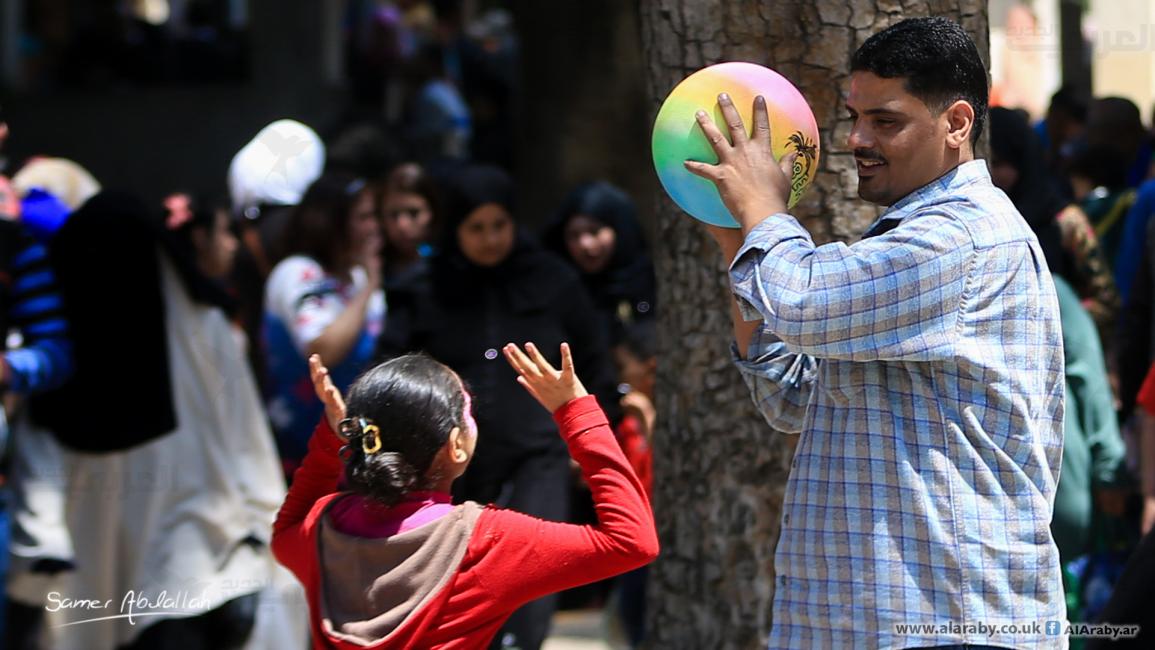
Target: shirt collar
{"x":968,"y":173}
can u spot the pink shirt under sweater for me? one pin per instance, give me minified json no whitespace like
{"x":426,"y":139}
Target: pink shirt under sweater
{"x":359,"y":516}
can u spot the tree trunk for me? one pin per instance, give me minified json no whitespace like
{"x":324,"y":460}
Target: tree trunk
{"x":720,"y":471}
{"x":583,"y":113}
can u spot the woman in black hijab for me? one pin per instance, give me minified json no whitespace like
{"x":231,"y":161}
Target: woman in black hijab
{"x":491,"y":285}
{"x":597,"y":231}
{"x":1064,"y":231}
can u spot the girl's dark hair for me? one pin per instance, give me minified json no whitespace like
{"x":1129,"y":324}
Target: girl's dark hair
{"x":319,"y":225}
{"x":410,"y":178}
{"x":182,"y":215}
{"x":415,"y":402}
{"x":936,"y":57}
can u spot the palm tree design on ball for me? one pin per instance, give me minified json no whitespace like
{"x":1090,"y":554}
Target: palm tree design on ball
{"x":807,"y":153}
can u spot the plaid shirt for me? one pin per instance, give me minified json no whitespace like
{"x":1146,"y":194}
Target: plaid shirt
{"x":923,"y":367}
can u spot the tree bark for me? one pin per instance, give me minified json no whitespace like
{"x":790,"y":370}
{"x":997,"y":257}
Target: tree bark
{"x":720,"y":471}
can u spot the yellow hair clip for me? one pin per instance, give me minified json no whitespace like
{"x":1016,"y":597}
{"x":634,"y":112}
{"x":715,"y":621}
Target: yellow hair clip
{"x":367,"y":446}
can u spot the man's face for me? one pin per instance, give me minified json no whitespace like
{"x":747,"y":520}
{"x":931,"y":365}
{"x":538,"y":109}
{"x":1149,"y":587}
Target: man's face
{"x":899,"y":144}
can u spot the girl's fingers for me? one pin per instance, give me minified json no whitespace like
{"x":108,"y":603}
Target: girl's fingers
{"x":519,"y":361}
{"x":566,"y":360}
{"x":541,"y":362}
{"x":529,"y":387}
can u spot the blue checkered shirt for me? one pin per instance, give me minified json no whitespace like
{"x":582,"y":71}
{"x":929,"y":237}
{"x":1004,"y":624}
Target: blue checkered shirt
{"x":923,"y":367}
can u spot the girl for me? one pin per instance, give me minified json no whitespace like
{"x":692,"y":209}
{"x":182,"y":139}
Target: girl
{"x":325,"y":298}
{"x":390,"y":563}
{"x":408,"y":203}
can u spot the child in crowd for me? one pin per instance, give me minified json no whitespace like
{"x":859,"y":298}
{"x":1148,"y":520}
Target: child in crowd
{"x":324,"y":298}
{"x":391,"y":563}
{"x":637,"y":369}
{"x":637,"y":366}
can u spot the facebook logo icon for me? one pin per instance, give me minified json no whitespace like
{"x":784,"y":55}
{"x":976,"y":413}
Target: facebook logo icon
{"x":1053,"y":628}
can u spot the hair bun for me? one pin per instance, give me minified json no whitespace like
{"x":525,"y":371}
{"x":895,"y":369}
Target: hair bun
{"x":386,"y":475}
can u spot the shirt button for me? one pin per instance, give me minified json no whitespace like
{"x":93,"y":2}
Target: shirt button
{"x":786,"y":519}
{"x":643,"y":307}
{"x":491,"y":354}
{"x":782,"y":581}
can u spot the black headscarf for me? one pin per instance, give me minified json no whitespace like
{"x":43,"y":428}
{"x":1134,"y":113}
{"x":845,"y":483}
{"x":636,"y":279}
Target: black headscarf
{"x":526,"y":279}
{"x":629,"y":275}
{"x":1035,"y":193}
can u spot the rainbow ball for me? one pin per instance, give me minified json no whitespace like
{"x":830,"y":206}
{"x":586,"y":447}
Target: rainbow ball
{"x":678,"y":138}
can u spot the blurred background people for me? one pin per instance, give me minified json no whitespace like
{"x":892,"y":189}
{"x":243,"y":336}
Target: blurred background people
{"x":407,"y":203}
{"x":324,"y":298}
{"x":637,"y":364}
{"x":41,"y":359}
{"x":266,"y":180}
{"x":181,"y":499}
{"x":596,"y":230}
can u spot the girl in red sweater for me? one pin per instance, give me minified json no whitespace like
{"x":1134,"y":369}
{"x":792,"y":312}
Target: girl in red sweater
{"x":391,"y":563}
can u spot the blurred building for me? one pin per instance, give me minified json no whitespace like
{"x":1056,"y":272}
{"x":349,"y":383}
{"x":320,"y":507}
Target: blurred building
{"x":143,"y":92}
{"x":1105,"y":47}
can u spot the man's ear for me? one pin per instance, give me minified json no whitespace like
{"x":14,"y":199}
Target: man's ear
{"x":960,"y":119}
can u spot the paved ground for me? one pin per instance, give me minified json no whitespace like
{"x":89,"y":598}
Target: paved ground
{"x":578,"y":630}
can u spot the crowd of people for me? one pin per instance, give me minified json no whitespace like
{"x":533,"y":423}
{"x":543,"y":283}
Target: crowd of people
{"x":1082,"y":179}
{"x":223,"y":332}
{"x":395,"y":234}
{"x":204,"y":345}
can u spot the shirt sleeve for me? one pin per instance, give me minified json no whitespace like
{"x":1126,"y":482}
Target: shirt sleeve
{"x":44,"y":361}
{"x":896,"y":296}
{"x":780,"y":381}
{"x":318,"y":476}
{"x":526,"y":558}
{"x":304,"y":298}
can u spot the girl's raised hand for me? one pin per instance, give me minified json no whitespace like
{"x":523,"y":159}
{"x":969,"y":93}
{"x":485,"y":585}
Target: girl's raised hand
{"x":552,"y":388}
{"x":327,"y":392}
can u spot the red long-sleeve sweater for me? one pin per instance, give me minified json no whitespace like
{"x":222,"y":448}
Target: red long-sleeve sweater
{"x":364,"y":593}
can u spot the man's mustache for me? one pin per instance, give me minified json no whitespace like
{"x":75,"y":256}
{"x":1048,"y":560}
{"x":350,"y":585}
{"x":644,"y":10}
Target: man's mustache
{"x":868,"y":154}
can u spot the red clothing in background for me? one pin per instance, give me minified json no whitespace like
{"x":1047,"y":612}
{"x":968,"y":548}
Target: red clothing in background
{"x":1146,"y":398}
{"x":510,"y":559}
{"x":637,"y":451}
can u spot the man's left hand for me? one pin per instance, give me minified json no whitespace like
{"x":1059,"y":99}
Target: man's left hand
{"x":752,"y":184}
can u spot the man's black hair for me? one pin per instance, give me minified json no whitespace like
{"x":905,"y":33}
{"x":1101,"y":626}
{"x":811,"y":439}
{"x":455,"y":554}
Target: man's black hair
{"x":939,"y":61}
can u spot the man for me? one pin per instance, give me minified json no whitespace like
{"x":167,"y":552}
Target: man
{"x":923,"y":367}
